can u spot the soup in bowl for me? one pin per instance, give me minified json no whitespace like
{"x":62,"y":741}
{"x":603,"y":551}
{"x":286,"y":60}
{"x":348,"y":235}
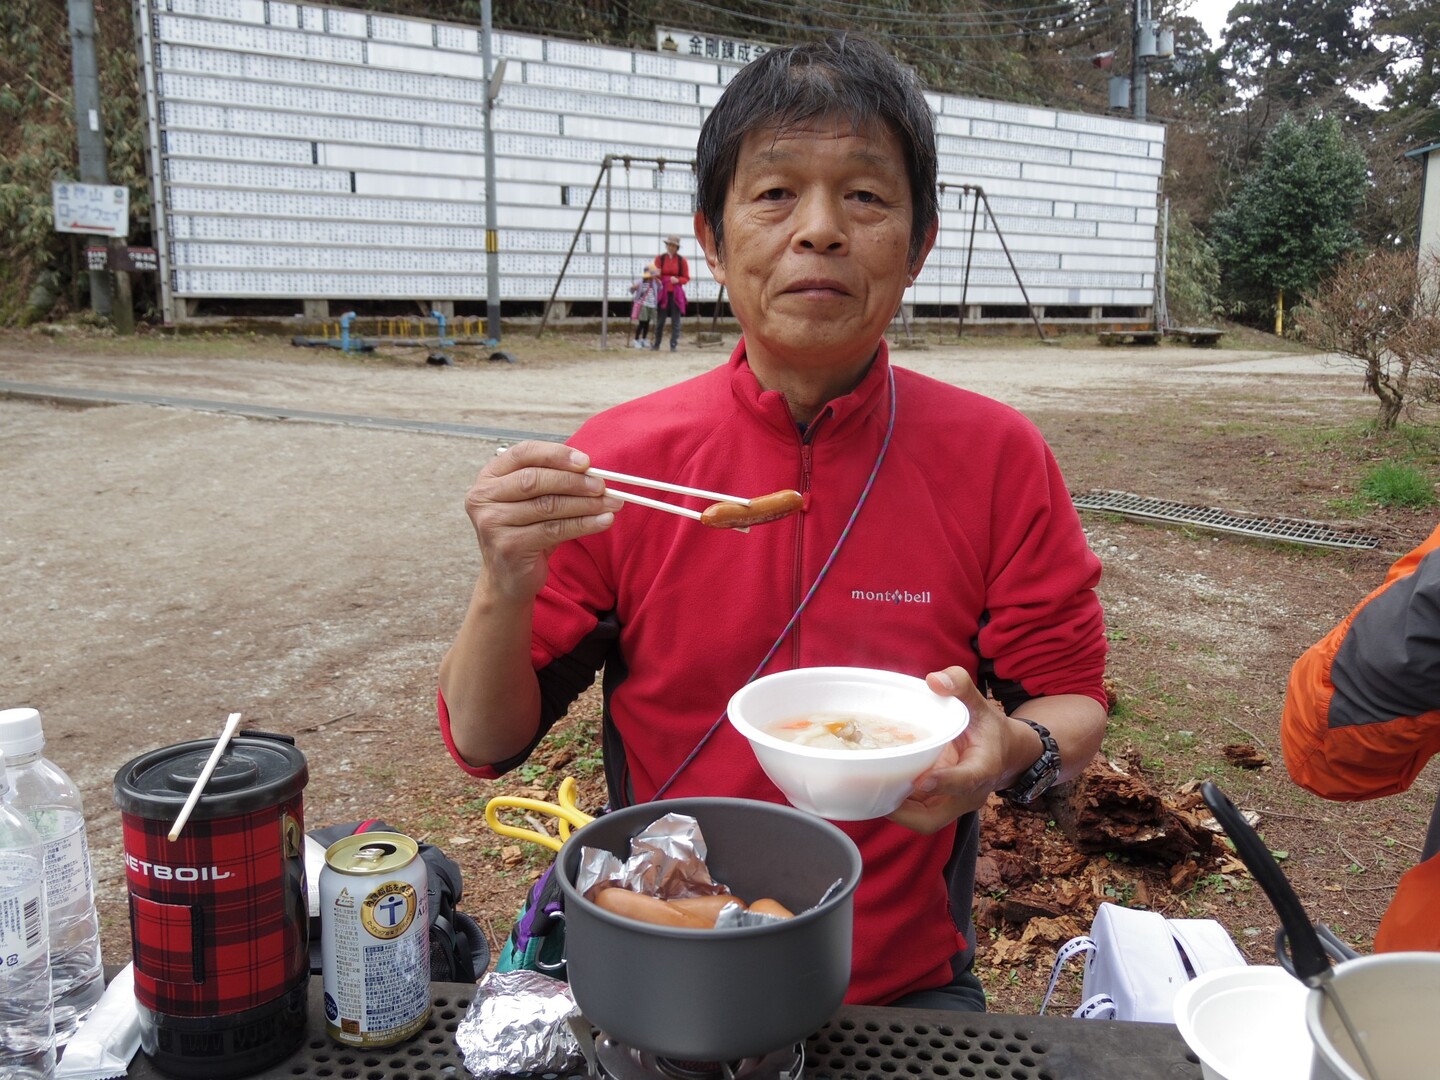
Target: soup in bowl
{"x":845,"y":743}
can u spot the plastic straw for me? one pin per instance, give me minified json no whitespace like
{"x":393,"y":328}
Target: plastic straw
{"x":225,"y":736}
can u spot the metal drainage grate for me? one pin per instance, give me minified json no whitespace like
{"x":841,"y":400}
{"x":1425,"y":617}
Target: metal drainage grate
{"x":1292,"y":530}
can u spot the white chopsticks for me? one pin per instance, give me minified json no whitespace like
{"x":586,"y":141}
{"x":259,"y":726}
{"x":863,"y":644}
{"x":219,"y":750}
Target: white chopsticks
{"x":654,"y":504}
{"x":661,"y":485}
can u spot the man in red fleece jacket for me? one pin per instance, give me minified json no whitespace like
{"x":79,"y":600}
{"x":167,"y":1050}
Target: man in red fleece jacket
{"x":936,"y":523}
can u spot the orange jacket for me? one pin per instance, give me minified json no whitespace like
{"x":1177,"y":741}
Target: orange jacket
{"x":1362,"y":717}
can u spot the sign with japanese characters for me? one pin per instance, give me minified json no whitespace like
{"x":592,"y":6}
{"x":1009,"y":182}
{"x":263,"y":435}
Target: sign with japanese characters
{"x":122,"y":257}
{"x":93,"y":209}
{"x":700,"y":46}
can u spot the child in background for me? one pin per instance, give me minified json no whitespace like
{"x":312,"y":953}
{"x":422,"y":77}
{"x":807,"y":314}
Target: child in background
{"x":647,"y":292}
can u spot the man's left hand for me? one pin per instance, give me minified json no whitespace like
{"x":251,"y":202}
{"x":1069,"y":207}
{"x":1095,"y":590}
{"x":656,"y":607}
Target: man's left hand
{"x":969,"y":768}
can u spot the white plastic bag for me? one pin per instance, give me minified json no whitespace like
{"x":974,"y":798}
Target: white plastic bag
{"x":1137,"y":961}
{"x":105,"y":1042}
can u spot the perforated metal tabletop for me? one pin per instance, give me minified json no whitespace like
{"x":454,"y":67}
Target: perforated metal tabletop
{"x":858,"y":1043}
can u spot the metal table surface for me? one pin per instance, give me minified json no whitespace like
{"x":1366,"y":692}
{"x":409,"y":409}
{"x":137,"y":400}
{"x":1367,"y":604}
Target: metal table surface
{"x":859,"y":1042}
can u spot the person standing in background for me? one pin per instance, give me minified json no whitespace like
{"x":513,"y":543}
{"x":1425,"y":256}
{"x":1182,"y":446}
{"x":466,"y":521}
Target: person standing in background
{"x":646,"y":292}
{"x":674,"y":273}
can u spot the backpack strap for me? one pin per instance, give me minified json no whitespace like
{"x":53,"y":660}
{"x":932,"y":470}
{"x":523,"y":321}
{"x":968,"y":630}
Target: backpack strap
{"x":1076,"y":946}
{"x":537,"y":941}
{"x":1099,"y":1007}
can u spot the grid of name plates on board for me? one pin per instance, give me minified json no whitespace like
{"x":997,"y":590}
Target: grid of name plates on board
{"x":303,"y":151}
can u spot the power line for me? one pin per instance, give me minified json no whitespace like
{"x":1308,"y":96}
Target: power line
{"x":870,"y":13}
{"x":811,"y":28}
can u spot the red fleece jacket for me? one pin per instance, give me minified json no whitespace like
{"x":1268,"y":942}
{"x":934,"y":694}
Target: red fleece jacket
{"x":968,"y":550}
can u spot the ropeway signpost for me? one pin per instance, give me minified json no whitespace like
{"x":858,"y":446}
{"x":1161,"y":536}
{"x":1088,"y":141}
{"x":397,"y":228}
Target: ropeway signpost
{"x":91,"y":209}
{"x":109,"y":209}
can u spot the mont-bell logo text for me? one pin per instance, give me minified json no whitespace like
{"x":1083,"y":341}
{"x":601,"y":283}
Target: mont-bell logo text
{"x":891,"y":596}
{"x":161,"y":872}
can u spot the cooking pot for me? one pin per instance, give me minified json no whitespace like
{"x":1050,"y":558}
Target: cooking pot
{"x":1393,"y":1000}
{"x":1369,"y":1018}
{"x":718,"y":995}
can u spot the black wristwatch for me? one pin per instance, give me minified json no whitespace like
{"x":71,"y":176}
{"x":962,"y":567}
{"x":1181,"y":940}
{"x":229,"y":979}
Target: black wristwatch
{"x":1040,"y":777}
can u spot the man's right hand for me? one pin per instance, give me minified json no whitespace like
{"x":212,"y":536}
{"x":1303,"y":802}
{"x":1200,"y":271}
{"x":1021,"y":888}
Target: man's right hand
{"x":526,"y":501}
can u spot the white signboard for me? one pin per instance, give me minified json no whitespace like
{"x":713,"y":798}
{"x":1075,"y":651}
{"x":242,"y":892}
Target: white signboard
{"x":93,"y":209}
{"x":700,"y":46}
{"x":313,"y":152}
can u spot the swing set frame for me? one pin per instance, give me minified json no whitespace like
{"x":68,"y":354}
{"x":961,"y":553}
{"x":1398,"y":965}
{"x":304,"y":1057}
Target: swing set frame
{"x":966,"y":190}
{"x":605,"y":175}
{"x":974,"y":192}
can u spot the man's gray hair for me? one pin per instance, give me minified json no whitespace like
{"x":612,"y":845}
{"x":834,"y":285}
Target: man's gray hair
{"x":845,"y":76}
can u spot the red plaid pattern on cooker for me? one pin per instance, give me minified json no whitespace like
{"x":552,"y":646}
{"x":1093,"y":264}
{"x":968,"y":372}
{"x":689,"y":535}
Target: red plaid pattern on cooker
{"x":219,"y":918}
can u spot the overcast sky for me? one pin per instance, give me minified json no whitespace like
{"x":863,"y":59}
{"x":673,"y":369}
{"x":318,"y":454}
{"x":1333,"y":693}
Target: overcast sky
{"x":1211,"y":15}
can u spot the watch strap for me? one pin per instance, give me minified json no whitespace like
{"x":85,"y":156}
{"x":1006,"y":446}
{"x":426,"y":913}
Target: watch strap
{"x":1042,"y":773}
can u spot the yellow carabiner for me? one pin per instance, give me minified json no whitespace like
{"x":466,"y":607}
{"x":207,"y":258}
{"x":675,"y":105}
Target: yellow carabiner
{"x":566,"y":814}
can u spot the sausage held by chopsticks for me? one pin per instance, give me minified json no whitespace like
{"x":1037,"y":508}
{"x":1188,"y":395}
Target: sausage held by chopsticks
{"x":772,"y":507}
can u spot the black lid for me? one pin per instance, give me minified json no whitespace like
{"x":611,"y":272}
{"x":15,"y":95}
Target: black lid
{"x":252,"y":773}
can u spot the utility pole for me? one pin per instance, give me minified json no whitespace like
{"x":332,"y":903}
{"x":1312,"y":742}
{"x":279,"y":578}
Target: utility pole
{"x":89,"y":134}
{"x":492,"y":234}
{"x":1148,"y":45}
{"x":1139,"y":55}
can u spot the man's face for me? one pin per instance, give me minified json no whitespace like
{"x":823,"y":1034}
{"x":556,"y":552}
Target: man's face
{"x":817,"y":236}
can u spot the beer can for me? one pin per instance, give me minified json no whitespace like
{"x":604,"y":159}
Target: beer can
{"x":375,"y":939}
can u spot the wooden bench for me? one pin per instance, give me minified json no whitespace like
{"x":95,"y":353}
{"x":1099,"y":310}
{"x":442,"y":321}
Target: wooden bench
{"x":1200,"y":337}
{"x":1130,"y":337}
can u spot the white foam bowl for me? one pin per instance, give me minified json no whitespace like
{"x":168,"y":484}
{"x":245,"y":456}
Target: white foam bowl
{"x":842,"y":784}
{"x":1246,"y":1023}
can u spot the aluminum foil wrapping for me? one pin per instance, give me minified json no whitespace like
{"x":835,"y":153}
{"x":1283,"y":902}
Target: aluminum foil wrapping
{"x":519,"y":1023}
{"x":667,"y":859}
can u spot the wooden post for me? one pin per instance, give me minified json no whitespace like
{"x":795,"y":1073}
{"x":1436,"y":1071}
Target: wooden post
{"x":122,"y":306}
{"x":1280,"y":313}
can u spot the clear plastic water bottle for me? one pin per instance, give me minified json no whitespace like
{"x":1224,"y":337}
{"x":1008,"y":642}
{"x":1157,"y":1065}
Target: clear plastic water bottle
{"x":43,"y":793}
{"x":27,"y":1031}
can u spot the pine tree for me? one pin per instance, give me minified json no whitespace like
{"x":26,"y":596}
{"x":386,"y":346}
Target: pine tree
{"x":1292,"y":218}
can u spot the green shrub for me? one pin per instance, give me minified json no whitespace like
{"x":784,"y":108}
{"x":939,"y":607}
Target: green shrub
{"x":1192,"y":274}
{"x":1398,"y":485}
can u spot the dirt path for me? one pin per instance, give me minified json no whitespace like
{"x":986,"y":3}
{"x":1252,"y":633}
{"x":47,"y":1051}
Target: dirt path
{"x":160,"y":567}
{"x":559,"y":382}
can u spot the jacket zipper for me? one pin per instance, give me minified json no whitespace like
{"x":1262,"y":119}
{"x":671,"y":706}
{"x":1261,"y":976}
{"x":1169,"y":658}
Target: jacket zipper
{"x":797,"y":590}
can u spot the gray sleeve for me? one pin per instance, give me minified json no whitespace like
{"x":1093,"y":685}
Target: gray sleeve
{"x":1389,"y":663}
{"x":564,"y":679}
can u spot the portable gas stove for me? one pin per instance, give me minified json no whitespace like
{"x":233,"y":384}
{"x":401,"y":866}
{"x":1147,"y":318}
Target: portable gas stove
{"x":618,"y":1061}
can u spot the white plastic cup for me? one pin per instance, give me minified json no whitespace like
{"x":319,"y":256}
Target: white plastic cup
{"x":844,"y":784}
{"x":1246,"y":1023}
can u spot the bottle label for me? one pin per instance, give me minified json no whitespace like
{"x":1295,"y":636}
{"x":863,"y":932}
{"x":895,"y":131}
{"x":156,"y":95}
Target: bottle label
{"x":22,"y":911}
{"x":67,"y":870}
{"x":67,"y":855}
